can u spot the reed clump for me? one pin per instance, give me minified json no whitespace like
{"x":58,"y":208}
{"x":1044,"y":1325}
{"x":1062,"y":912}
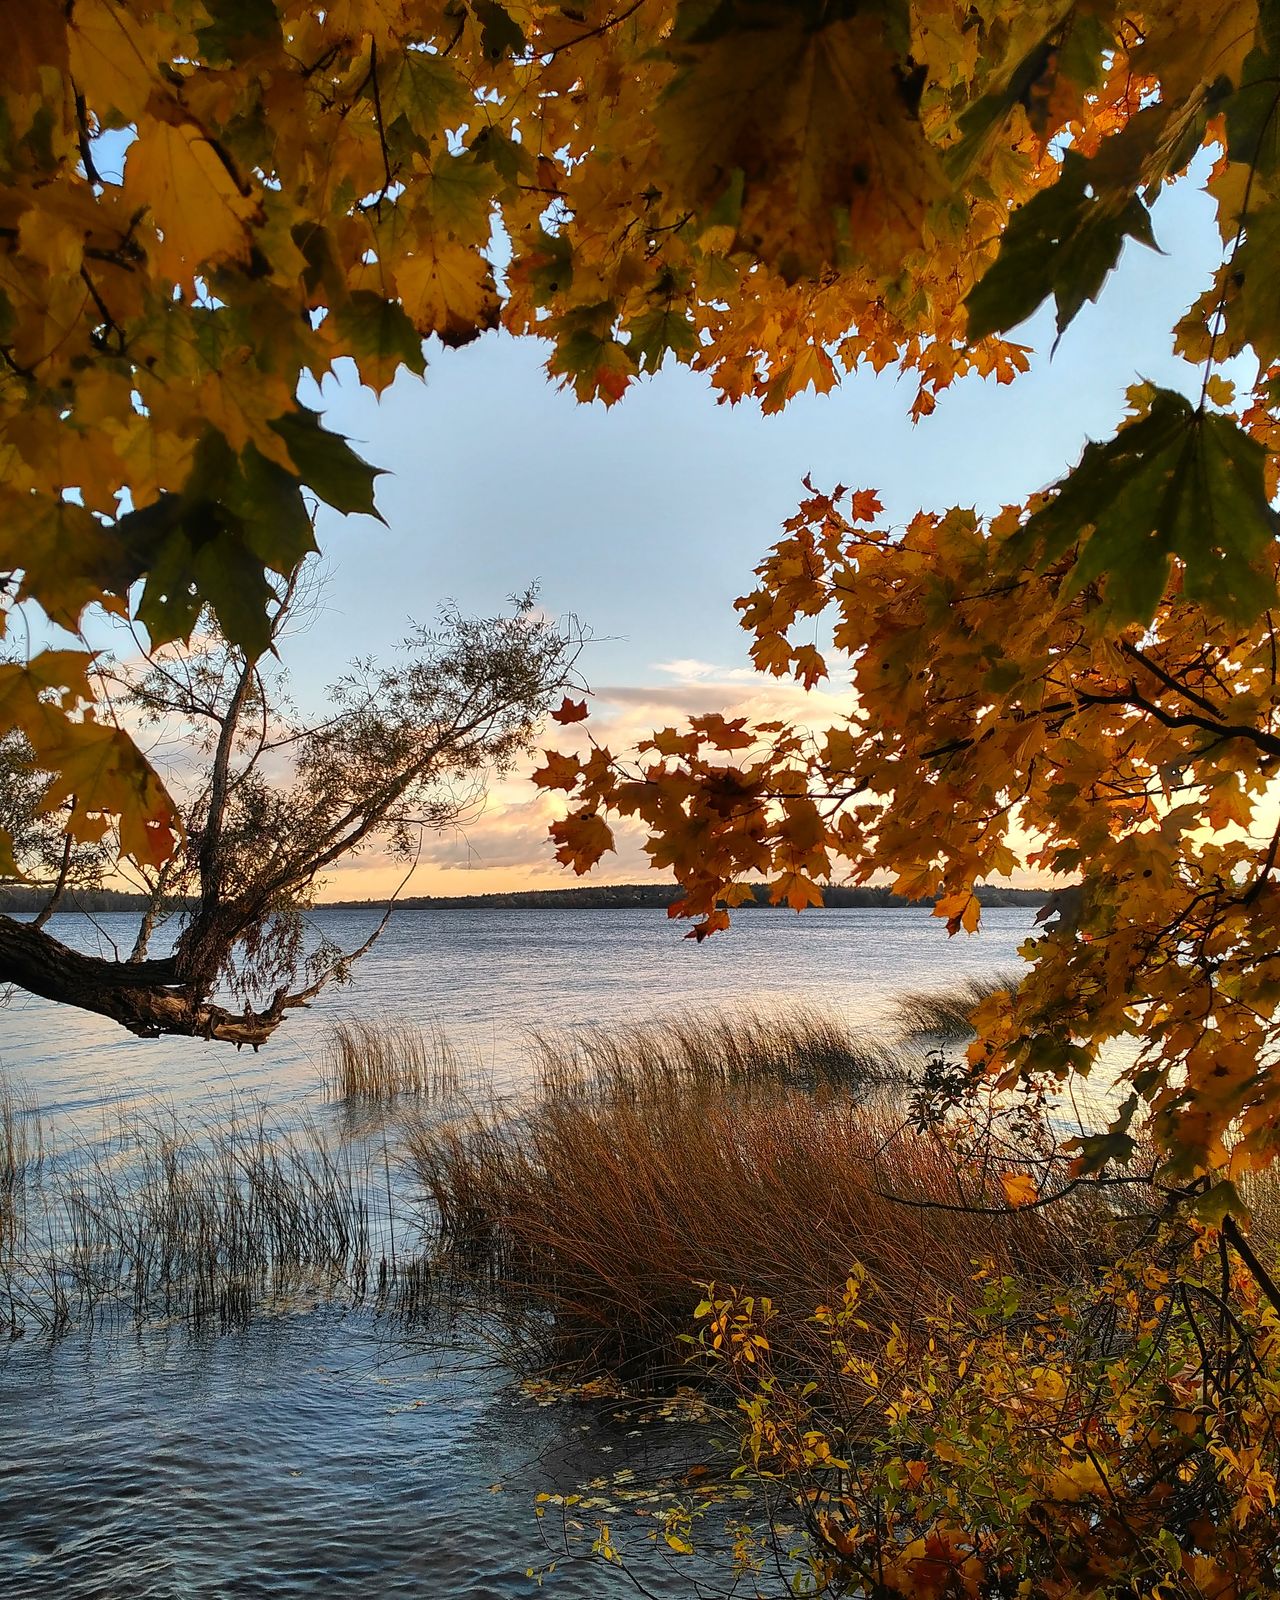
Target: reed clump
{"x":795,"y":1047}
{"x":21,"y":1156}
{"x":596,"y":1217}
{"x":945,"y":1014}
{"x":384,"y":1058}
{"x":205,"y":1223}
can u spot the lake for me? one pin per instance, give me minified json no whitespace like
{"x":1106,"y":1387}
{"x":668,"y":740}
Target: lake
{"x":323,"y":1453}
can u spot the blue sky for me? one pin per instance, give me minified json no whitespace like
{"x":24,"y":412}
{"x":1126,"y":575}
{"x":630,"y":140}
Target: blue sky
{"x":645,"y":520}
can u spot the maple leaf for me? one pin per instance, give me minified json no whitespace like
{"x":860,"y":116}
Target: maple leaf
{"x":808,"y":665}
{"x":97,"y":772}
{"x":570,"y":711}
{"x":100,"y":772}
{"x":835,"y":165}
{"x":864,"y":505}
{"x":1174,"y":482}
{"x":378,"y":335}
{"x":1063,"y":242}
{"x":712,"y":922}
{"x":1019,"y":1188}
{"x":560,"y":772}
{"x":960,"y":910}
{"x":447,"y":289}
{"x":201,"y":214}
{"x":797,"y":890}
{"x":112,"y":56}
{"x":582,"y":839}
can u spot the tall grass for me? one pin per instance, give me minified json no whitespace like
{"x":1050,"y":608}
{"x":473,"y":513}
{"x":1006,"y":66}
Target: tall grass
{"x":21,"y":1135}
{"x":388,"y":1057}
{"x":21,"y":1157}
{"x":714,"y":1052}
{"x":945,"y":1014}
{"x":597,"y":1216}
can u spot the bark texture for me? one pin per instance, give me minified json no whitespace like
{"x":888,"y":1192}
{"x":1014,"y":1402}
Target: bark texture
{"x":146,"y":997}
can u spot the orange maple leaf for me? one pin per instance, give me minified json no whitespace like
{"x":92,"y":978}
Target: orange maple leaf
{"x":560,"y":772}
{"x":1019,"y":1188}
{"x":864,"y":505}
{"x":582,"y":839}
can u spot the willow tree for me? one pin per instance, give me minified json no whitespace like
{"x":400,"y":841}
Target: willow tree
{"x":270,"y":800}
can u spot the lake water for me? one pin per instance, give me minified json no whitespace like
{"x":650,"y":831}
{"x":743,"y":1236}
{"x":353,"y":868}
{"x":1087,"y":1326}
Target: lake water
{"x":325,"y":1454}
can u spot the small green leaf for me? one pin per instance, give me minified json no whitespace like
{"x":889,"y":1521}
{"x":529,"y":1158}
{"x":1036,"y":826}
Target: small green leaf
{"x":1217,"y":1203}
{"x":236,"y":27}
{"x":500,"y":33}
{"x":424,"y":88}
{"x":380,"y":335}
{"x":1253,"y":116}
{"x":653,"y":334}
{"x":1099,"y":1150}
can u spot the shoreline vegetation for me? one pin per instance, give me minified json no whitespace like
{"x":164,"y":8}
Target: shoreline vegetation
{"x":219,"y":1216}
{"x":603,"y":897}
{"x":763,"y":1217}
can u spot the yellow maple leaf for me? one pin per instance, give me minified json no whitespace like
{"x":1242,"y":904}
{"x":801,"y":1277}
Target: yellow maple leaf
{"x":113,"y":58}
{"x":201,"y":214}
{"x":447,"y":288}
{"x":961,"y":910}
{"x":1019,"y":1188}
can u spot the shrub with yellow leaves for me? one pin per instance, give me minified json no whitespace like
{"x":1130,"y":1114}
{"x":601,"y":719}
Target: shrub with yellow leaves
{"x":1117,"y":1442}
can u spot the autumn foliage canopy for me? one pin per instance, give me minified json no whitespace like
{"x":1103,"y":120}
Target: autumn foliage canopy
{"x":204,"y":201}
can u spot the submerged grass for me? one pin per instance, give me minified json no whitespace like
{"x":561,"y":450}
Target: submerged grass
{"x":204,"y":1223}
{"x":644,"y":1171}
{"x":388,"y":1057}
{"x":21,"y":1157}
{"x":944,"y":1014}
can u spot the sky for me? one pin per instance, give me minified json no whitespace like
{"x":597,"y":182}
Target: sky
{"x":645,"y":520}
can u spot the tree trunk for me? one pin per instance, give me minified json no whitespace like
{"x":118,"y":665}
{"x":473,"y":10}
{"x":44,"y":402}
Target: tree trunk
{"x":146,"y":997}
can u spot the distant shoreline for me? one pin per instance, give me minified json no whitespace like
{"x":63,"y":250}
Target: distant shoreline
{"x":612,"y":897}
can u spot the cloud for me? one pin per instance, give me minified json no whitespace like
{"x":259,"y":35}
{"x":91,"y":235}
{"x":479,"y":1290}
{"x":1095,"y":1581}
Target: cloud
{"x":505,"y":846}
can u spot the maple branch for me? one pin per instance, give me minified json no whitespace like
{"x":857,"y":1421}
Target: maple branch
{"x":1170,"y":682}
{"x":1245,"y":1251}
{"x":1267,"y":742}
{"x":112,"y":326}
{"x":1264,"y":870}
{"x":592,"y":33}
{"x":372,"y":80}
{"x":86,"y":144}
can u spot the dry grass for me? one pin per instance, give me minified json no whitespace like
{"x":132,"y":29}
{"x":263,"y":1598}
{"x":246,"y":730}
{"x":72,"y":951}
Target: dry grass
{"x":944,"y":1014}
{"x":711,"y":1053}
{"x":597,"y":1216}
{"x":387,"y":1058}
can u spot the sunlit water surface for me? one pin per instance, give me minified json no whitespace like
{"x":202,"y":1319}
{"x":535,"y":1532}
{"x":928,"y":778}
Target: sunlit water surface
{"x":322,"y":1454}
